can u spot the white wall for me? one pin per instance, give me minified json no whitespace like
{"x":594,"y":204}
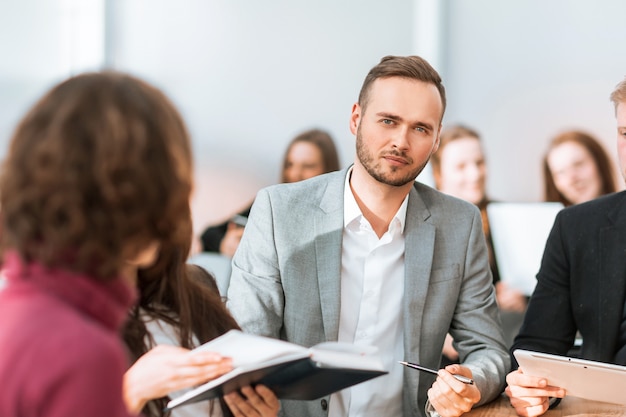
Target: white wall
{"x":250,"y":75}
{"x":41,"y":43}
{"x":521,"y":71}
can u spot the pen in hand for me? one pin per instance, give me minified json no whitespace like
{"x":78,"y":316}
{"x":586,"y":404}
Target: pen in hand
{"x":461,"y":378}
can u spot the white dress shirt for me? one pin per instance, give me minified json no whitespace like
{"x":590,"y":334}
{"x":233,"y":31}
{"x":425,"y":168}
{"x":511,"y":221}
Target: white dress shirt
{"x":372,"y":289}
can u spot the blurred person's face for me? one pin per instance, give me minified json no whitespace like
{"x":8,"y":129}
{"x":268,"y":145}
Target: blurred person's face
{"x":398,"y":130}
{"x":574,"y":172}
{"x":304,"y":161}
{"x":621,"y":137}
{"x":463,"y":170}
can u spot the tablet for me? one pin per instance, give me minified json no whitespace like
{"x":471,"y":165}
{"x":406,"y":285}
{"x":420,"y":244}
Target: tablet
{"x":591,"y":380}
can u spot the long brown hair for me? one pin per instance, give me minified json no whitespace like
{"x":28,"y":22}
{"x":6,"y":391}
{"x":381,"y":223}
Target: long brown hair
{"x":598,"y":154}
{"x":182,"y":295}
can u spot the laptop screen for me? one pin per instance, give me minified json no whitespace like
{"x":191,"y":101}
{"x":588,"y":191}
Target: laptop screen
{"x":519,"y":232}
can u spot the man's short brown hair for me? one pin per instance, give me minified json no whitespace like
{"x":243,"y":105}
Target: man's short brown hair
{"x":412,"y":67}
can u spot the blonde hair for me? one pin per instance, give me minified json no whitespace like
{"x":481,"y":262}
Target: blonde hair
{"x":619,"y":94}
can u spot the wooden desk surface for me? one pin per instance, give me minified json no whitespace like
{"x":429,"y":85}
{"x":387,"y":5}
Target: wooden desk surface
{"x":570,"y":406}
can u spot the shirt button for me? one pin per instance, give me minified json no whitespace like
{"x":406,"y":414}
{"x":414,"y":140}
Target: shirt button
{"x":324,"y":404}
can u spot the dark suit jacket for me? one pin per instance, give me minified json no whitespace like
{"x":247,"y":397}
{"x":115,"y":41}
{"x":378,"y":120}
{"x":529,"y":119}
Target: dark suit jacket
{"x":581,"y":282}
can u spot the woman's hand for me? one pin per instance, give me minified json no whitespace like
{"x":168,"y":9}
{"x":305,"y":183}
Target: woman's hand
{"x":166,"y":368}
{"x":259,"y":401}
{"x":510,"y":299}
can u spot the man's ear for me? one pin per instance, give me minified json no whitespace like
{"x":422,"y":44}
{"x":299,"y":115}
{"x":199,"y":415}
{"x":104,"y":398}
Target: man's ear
{"x":355,"y":118}
{"x":437,"y":141}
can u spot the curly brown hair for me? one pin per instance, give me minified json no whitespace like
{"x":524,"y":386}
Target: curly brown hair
{"x":98,"y":169}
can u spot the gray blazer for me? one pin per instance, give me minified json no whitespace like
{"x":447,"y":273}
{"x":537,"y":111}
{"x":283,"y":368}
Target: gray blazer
{"x":285,"y":282}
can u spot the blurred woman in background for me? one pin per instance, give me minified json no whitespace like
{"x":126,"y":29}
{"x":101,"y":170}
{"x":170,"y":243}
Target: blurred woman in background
{"x":576,"y":168}
{"x":459,"y":169}
{"x":311,"y":153}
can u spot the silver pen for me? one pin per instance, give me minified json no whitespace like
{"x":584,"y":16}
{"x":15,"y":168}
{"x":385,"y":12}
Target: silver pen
{"x":461,"y":378}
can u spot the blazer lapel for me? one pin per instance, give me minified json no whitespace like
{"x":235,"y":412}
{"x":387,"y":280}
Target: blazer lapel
{"x":418,"y":255}
{"x":612,"y":279}
{"x":329,"y":234}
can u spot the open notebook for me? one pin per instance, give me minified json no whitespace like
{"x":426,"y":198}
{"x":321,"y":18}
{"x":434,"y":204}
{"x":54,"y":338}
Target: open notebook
{"x":291,"y":371}
{"x":519,"y":232}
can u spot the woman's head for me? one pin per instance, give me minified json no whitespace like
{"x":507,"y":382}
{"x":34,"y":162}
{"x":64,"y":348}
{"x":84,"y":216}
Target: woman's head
{"x":576,"y":169}
{"x":458,"y":166}
{"x":309,"y":154}
{"x":96,"y":172}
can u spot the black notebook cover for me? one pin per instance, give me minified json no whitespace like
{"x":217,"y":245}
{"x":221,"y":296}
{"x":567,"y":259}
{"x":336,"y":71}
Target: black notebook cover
{"x":297,"y":374}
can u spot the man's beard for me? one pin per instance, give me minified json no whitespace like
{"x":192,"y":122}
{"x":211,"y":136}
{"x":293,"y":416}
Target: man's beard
{"x":374,"y":170}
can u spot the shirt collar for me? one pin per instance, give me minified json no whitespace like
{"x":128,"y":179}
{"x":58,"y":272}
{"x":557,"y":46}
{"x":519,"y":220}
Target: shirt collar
{"x":352,"y":212}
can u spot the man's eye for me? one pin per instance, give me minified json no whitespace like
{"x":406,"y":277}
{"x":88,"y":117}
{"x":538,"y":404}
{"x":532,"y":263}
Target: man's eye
{"x":420,"y":129}
{"x":387,"y":121}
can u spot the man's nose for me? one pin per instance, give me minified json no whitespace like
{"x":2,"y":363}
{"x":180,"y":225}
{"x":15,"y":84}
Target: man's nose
{"x":400,"y":138}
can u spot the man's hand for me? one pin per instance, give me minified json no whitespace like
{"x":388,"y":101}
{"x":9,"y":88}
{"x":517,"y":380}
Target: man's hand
{"x":451,"y":397}
{"x":530,"y":395}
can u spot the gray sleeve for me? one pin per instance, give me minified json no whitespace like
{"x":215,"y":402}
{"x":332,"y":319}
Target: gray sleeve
{"x":255,"y":294}
{"x":476,"y":326}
